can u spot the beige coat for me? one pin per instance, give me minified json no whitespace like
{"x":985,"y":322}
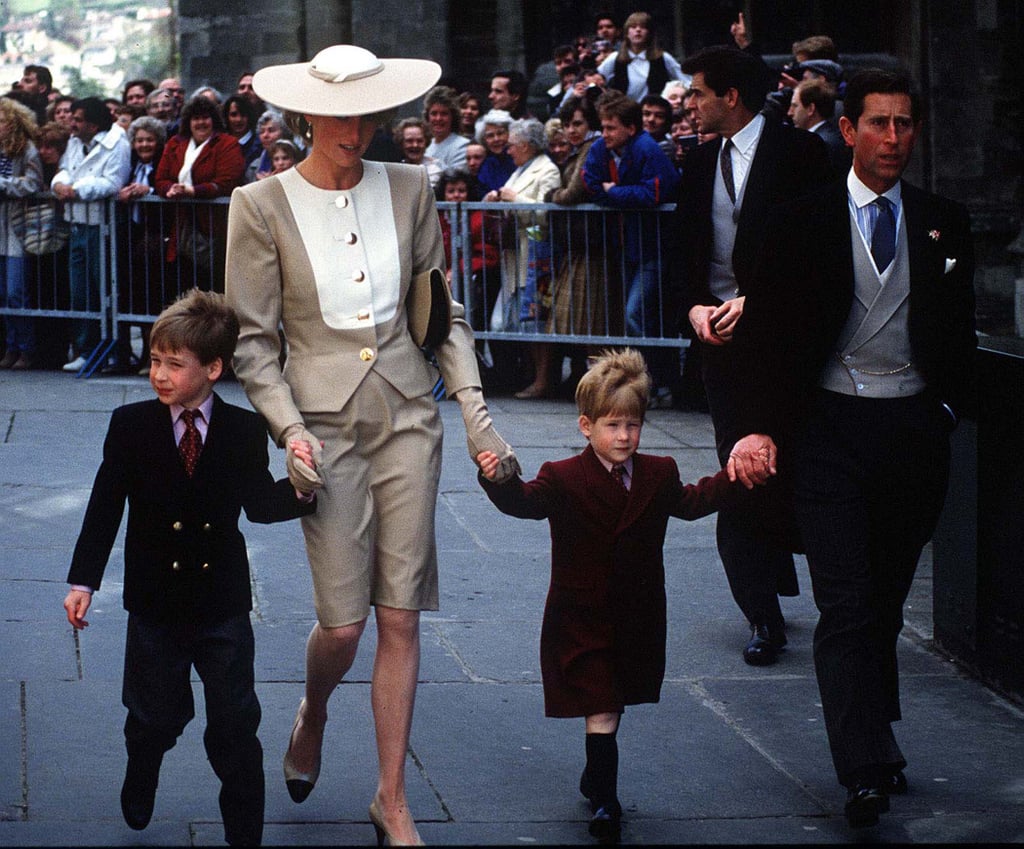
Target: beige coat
{"x":270,"y":283}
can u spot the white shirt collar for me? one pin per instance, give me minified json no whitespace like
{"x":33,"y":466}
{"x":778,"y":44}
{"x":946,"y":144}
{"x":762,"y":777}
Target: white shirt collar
{"x":861,"y":195}
{"x":748,"y":136}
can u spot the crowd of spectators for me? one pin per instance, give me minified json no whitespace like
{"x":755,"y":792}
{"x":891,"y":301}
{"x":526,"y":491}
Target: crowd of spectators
{"x":154,"y":141}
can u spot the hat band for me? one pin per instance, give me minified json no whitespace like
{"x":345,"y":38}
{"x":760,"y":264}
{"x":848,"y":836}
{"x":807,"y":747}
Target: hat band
{"x":342,"y":77}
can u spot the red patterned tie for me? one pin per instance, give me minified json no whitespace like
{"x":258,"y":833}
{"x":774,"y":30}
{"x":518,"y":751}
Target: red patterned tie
{"x":617,"y":473}
{"x":191,"y":444}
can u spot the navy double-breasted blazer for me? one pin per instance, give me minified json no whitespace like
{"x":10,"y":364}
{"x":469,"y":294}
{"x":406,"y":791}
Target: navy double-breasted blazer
{"x":185,"y":558}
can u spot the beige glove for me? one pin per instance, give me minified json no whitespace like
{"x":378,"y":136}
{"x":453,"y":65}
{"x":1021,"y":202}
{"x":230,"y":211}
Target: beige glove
{"x":481,"y":435}
{"x":302,"y":477}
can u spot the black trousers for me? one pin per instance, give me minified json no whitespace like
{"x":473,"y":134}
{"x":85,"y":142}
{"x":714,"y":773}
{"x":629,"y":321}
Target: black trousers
{"x":158,"y":694}
{"x":871,"y":476}
{"x":756,"y":529}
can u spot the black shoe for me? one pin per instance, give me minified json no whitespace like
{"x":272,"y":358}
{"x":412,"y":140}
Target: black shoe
{"x":117,"y":369}
{"x":606,"y":824}
{"x":863,"y":805}
{"x":895,"y":784}
{"x":764,"y":645}
{"x":139,"y":789}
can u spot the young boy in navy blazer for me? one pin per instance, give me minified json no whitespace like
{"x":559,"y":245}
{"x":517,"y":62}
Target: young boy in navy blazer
{"x":187,"y":464}
{"x":602,"y":641}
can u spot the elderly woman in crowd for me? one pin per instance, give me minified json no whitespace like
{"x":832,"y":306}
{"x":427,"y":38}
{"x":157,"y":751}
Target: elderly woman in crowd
{"x":21,"y":174}
{"x":534,"y":176}
{"x":411,"y":138}
{"x":269,"y":128}
{"x":141,"y":263}
{"x":441,"y":112}
{"x":352,"y":403}
{"x":201,"y":162}
{"x":498,"y":164}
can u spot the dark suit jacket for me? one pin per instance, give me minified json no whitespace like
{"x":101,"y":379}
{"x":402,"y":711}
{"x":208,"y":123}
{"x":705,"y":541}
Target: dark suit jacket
{"x":799,"y":300}
{"x":184,"y":557}
{"x":787,"y":164}
{"x":603,"y":637}
{"x":840,"y":154}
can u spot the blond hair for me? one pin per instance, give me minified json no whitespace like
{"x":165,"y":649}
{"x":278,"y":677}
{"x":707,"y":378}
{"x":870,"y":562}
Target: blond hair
{"x":617,"y":382}
{"x":21,"y":127}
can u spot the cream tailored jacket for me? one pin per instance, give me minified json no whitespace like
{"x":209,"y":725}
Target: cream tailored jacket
{"x":270,"y":283}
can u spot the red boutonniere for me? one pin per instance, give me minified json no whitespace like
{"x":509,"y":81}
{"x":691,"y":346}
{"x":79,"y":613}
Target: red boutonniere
{"x":934,"y":235}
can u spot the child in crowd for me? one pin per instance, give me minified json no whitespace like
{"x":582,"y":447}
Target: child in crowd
{"x":186,"y":463}
{"x":283,"y":155}
{"x":602,"y":641}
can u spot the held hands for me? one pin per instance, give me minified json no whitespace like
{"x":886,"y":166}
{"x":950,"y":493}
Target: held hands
{"x":304,"y":454}
{"x":752,"y":460}
{"x":481,"y":436}
{"x":488,"y":462}
{"x":76,"y":603}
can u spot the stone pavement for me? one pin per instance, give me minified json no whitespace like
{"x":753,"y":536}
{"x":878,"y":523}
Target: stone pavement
{"x":732,"y":754}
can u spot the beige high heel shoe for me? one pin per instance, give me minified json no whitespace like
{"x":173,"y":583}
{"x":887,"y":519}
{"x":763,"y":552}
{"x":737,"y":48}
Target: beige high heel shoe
{"x":300,"y":784}
{"x":384,"y":838}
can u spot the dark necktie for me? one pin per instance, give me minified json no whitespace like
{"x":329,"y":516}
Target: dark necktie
{"x":618,"y":472}
{"x":191,"y":444}
{"x":883,"y":239}
{"x":726,"y":162}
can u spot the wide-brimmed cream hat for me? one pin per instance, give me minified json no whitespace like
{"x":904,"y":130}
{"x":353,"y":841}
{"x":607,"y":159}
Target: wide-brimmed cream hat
{"x":345,"y":80}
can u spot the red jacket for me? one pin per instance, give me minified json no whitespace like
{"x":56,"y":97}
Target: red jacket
{"x":217,"y":171}
{"x":602,"y":644}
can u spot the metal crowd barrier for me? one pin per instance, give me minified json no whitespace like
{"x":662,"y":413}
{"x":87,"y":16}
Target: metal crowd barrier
{"x":530,"y":272}
{"x":544,"y":272}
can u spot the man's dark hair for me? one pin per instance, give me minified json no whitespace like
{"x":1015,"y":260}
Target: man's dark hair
{"x":95,"y":112}
{"x":146,"y":85}
{"x":200,"y":107}
{"x":727,"y":67}
{"x":878,"y":81}
{"x":603,"y":16}
{"x":42,"y":73}
{"x":517,"y":83}
{"x":563,"y":50}
{"x":659,"y":101}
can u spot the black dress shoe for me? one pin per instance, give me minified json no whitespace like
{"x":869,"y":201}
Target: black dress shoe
{"x":139,"y":789}
{"x":606,"y":824}
{"x":764,"y":645}
{"x":863,"y":805}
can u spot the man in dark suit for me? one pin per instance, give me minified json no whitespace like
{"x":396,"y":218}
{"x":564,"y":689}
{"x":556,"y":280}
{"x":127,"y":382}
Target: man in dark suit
{"x":728,"y":191}
{"x":187,"y":464}
{"x":813,"y":108}
{"x":863,"y":330}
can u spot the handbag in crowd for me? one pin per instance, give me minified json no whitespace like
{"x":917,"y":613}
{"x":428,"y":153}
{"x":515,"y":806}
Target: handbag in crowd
{"x":39,"y":226}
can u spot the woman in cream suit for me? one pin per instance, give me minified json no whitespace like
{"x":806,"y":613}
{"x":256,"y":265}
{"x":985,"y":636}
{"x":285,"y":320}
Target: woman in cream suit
{"x":327,"y":251}
{"x":535,"y":176}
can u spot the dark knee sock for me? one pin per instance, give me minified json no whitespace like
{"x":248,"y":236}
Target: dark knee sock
{"x":603,"y":769}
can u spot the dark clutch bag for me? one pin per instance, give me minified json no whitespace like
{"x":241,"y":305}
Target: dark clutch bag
{"x":429,"y":307}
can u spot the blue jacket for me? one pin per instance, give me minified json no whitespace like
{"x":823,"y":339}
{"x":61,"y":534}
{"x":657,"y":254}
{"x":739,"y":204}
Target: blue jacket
{"x":495,"y":171}
{"x":644,"y":177}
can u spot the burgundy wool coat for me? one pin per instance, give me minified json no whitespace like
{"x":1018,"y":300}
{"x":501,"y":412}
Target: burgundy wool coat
{"x":602,"y":643}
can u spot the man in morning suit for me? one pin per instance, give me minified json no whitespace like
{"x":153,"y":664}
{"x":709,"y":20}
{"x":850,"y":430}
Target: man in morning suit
{"x":725,"y":202}
{"x":864,"y":330}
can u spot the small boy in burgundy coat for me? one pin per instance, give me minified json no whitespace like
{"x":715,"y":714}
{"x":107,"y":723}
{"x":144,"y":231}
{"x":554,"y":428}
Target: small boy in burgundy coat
{"x":602,"y":642}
